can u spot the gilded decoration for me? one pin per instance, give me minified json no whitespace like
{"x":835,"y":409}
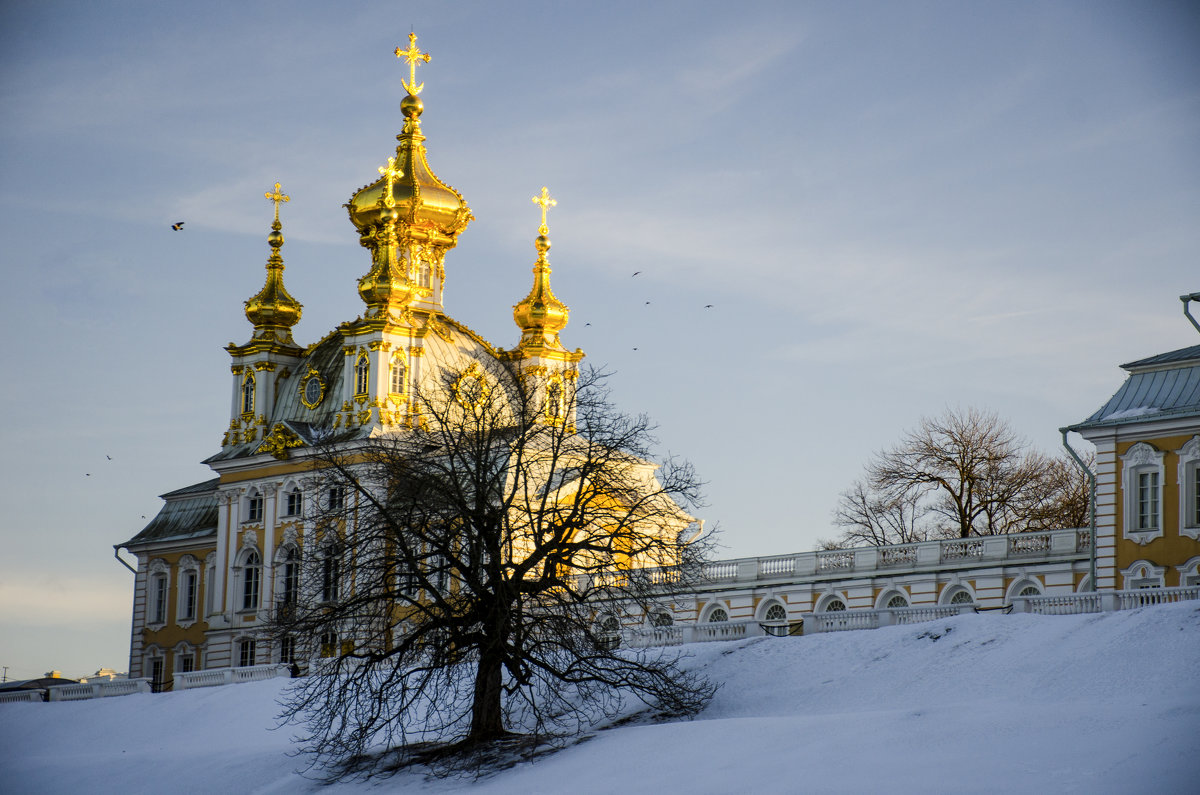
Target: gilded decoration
{"x":312,"y":389}
{"x":471,"y":388}
{"x":280,"y":441}
{"x":540,"y":315}
{"x":272,"y":311}
{"x":407,"y":218}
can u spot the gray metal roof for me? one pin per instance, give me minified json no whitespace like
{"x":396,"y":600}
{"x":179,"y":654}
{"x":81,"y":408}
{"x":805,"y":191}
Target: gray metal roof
{"x":1152,"y":394}
{"x":1170,"y":357}
{"x":190,"y":512}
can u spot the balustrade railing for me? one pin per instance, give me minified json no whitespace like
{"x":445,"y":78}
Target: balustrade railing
{"x":905,"y":555}
{"x":835,"y":560}
{"x":964,"y":549}
{"x":776,"y":565}
{"x":720,"y":570}
{"x":22,"y":696}
{"x":842,"y":620}
{"x":1144,"y":597}
{"x":1028,"y":543}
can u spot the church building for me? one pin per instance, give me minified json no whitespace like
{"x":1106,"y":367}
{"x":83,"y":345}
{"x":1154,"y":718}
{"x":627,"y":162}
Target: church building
{"x":221,"y":553}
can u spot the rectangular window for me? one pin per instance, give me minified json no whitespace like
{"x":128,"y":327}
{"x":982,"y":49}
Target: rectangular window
{"x":329,"y":577}
{"x":250,"y":591}
{"x":336,"y":498}
{"x":189,"y":595}
{"x":295,"y":501}
{"x":246,"y":653}
{"x":1147,"y":500}
{"x":156,"y":674}
{"x":291,"y":582}
{"x":160,"y":599}
{"x":187,"y":662}
{"x":254,"y":510}
{"x":1196,"y":495}
{"x":287,"y":650}
{"x":328,"y":644}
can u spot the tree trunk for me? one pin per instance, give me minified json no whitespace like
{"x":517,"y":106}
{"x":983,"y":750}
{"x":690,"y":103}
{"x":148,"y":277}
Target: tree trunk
{"x":487,"y":719}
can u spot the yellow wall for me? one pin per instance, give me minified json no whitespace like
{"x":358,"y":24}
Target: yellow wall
{"x":1171,"y":549}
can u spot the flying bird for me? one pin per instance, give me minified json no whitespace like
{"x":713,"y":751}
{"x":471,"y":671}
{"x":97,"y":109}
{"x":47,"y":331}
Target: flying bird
{"x":109,"y":457}
{"x":647,"y":303}
{"x":177,"y":226}
{"x":708,"y":306}
{"x":587,"y":324}
{"x":635,"y":273}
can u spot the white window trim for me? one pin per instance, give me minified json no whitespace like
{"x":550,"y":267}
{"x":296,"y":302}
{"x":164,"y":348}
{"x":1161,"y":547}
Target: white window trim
{"x":187,"y":564}
{"x":209,"y":602}
{"x":766,"y":604}
{"x":239,"y":571}
{"x":1020,"y":584}
{"x":157,"y":568}
{"x":182,"y":649}
{"x":1139,"y":459}
{"x":1189,"y":464}
{"x":952,"y":590}
{"x":251,"y":495}
{"x":711,"y":608}
{"x":1142,"y":574}
{"x":237,"y":651}
{"x":1190,"y":569}
{"x":823,"y":603}
{"x":886,"y":595}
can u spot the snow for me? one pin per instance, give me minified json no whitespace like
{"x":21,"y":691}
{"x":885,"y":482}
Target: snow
{"x":1138,"y":411}
{"x":1104,"y":703}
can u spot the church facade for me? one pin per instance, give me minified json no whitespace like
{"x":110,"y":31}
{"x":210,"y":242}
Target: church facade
{"x":221,"y":554}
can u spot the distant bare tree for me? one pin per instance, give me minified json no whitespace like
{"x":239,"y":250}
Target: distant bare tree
{"x":869,"y":517}
{"x":1061,"y":496}
{"x":472,"y":584}
{"x":959,"y":474}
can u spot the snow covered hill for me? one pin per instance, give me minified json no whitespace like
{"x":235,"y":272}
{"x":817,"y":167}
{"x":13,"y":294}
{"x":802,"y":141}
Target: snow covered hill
{"x":1106,"y":703}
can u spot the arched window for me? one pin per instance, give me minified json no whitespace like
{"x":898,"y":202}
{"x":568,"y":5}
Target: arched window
{"x":248,"y":393}
{"x":661,"y":618}
{"x":362,"y":373}
{"x":834,"y":606}
{"x":399,"y":372}
{"x":962,"y":598}
{"x":717,"y":615}
{"x":251,"y":580}
{"x":897,"y":601}
{"x":775,"y":612}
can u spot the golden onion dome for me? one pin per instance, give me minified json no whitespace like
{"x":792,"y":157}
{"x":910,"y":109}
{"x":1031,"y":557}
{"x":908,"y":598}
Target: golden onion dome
{"x":540,"y":315}
{"x":273,"y":310}
{"x":421,"y":200}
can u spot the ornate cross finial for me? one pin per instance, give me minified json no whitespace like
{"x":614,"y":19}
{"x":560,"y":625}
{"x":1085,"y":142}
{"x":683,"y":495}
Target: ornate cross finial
{"x":390,"y":173}
{"x":277,"y":196}
{"x":546,"y":202}
{"x":412,"y":55}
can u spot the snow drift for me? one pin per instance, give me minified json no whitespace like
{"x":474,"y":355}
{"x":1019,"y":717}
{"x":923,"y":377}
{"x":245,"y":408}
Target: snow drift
{"x":1103,"y":703}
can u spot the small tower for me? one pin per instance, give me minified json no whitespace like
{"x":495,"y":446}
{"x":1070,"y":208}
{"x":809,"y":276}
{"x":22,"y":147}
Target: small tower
{"x":271,"y":350}
{"x":541,"y":316}
{"x":408,"y":219}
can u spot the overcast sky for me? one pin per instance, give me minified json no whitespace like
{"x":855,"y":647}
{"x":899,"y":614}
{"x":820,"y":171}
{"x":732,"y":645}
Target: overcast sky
{"x":893,"y":208}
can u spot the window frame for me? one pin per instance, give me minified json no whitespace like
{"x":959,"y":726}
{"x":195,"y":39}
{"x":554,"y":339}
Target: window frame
{"x":362,"y":375}
{"x":247,"y":649}
{"x":1142,"y":460}
{"x":252,"y":573}
{"x":1188,"y":479}
{"x":248,"y":389}
{"x":398,"y":374}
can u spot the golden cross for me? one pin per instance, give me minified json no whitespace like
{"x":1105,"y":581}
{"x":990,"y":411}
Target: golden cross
{"x":412,"y":55}
{"x":390,"y":172}
{"x":546,"y":203}
{"x":277,"y":197}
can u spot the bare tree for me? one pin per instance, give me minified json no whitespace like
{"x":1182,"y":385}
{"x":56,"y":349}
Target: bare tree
{"x":1060,"y":497}
{"x":483,"y":564}
{"x":960,"y":474}
{"x":872,"y":518}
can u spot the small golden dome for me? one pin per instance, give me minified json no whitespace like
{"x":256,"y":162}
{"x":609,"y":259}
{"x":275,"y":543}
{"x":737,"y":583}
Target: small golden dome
{"x":273,"y":310}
